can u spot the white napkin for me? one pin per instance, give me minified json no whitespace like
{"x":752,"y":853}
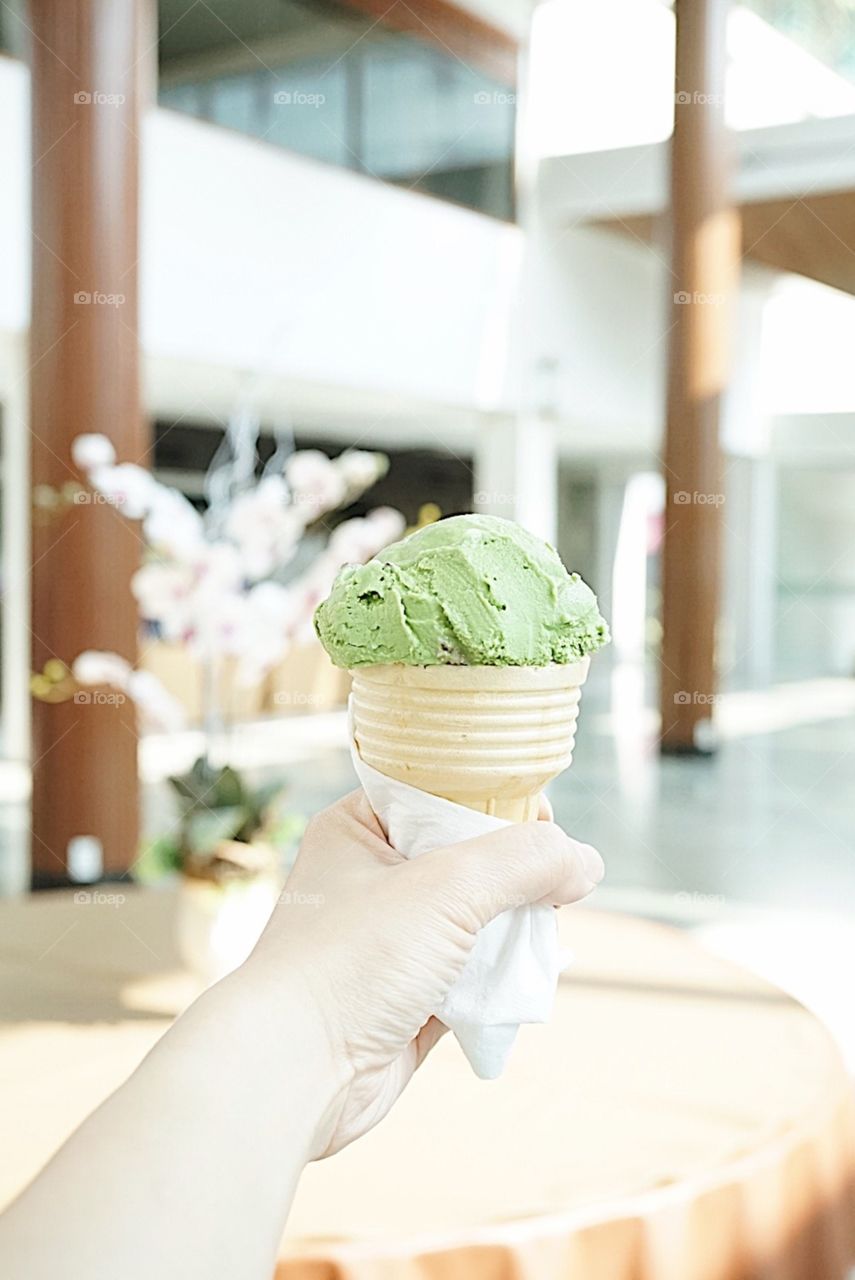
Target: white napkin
{"x":512,"y":974}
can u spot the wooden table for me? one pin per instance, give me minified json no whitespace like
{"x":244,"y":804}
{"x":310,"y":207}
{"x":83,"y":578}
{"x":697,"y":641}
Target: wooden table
{"x":678,"y":1119}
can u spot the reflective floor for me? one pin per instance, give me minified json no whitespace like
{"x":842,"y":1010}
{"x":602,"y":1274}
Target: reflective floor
{"x":753,"y":849}
{"x":769,"y":820}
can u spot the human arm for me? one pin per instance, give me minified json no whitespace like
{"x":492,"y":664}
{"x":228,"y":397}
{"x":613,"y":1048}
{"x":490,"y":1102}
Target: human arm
{"x":189,"y":1169}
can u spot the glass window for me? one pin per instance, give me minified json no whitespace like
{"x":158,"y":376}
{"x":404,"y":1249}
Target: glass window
{"x":183,"y":97}
{"x":14,"y":29}
{"x":328,"y":82}
{"x":236,"y":101}
{"x":825,"y":30}
{"x":307,"y":111}
{"x":435,"y":124}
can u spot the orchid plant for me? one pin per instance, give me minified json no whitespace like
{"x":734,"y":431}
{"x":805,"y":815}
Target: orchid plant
{"x":239,"y":582}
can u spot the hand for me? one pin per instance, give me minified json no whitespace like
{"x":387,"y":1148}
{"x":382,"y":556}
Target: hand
{"x":374,"y":942}
{"x":299,"y":1051}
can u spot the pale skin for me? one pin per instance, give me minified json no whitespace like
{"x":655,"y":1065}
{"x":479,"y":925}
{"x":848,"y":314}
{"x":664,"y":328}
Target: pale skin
{"x":188,"y":1171}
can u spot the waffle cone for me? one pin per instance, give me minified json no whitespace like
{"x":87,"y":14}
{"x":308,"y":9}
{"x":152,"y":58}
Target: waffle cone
{"x":490,"y":738}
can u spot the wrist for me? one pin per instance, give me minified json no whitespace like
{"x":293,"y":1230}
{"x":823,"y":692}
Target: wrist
{"x":294,"y":1039}
{"x":256,"y":1036}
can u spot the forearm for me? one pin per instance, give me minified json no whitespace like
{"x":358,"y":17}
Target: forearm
{"x":189,"y":1169}
{"x":187,"y":1172}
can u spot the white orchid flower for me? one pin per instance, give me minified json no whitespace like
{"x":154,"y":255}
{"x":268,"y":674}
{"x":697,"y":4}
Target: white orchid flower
{"x":127,"y":487}
{"x":316,"y":484}
{"x":92,"y":450}
{"x":95,"y":667}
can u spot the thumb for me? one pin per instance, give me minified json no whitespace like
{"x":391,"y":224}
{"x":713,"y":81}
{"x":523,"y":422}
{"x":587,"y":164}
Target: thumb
{"x":526,"y":862}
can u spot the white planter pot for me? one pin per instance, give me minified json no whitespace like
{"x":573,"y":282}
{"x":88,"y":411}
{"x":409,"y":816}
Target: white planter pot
{"x":218,"y":925}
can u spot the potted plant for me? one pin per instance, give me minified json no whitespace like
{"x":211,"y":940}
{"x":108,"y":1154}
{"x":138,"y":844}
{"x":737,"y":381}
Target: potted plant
{"x":236,"y":583}
{"x":228,"y":850}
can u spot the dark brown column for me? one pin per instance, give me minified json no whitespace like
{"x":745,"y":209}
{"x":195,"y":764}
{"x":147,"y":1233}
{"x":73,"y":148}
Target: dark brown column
{"x":704,"y":261}
{"x":84,"y":378}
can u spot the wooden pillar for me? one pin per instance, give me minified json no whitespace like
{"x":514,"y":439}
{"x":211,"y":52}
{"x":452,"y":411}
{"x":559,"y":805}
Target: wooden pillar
{"x":84,"y":378}
{"x":704,"y":262}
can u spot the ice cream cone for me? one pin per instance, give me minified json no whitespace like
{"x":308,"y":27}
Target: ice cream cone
{"x":489,"y":738}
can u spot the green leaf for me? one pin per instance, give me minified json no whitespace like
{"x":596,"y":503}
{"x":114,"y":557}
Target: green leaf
{"x":185,"y":788}
{"x":204,"y":787}
{"x":229,"y":790}
{"x":196,"y":785}
{"x":158,"y":858}
{"x":205,"y":830}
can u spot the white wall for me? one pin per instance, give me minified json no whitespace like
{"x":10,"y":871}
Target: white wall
{"x":815,"y":616}
{"x":813,"y":156}
{"x":14,"y":196}
{"x":808,"y":364}
{"x":356,"y":305}
{"x":601,"y":319}
{"x":349,"y":302}
{"x":261,"y":260}
{"x":14,"y":444}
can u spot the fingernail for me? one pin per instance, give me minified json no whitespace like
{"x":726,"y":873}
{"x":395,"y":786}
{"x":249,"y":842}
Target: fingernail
{"x":593,"y":864}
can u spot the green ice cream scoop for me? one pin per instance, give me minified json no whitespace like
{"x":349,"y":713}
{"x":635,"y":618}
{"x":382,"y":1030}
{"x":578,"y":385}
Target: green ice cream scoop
{"x":477,"y":590}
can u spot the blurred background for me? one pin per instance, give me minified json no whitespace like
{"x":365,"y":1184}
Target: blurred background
{"x":285,"y":277}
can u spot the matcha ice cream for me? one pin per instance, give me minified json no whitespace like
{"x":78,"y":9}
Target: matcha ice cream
{"x":474,"y":590}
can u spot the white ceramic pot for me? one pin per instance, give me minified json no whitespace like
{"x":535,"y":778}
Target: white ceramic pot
{"x":219,"y":924}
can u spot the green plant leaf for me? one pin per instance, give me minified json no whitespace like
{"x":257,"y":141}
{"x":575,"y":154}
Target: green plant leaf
{"x":229,"y":790}
{"x":205,"y":830}
{"x":197,"y":785}
{"x":185,"y":788}
{"x":158,"y":858}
